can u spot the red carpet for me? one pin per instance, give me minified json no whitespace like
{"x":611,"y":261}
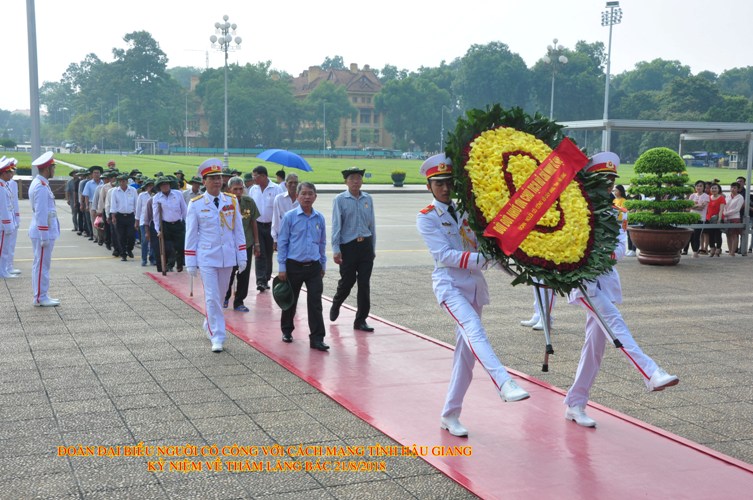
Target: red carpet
{"x":395,"y":379}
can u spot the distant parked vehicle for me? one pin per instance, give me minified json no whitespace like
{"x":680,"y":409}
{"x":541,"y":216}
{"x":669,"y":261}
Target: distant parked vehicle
{"x":408,"y":156}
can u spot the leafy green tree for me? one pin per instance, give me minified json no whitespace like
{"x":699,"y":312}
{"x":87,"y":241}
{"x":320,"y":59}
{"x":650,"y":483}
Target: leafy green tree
{"x":333,"y":63}
{"x":390,"y":72}
{"x":490,"y":74}
{"x":654,"y":75}
{"x":737,"y":81}
{"x":412,"y":109}
{"x":338,"y":107}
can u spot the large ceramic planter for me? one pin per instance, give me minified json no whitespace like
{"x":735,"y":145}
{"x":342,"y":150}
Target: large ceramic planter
{"x":398,"y":179}
{"x":659,"y":247}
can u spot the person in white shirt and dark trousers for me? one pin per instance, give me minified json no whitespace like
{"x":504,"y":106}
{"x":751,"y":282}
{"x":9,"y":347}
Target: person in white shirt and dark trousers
{"x":122,"y":210}
{"x":263,"y":193}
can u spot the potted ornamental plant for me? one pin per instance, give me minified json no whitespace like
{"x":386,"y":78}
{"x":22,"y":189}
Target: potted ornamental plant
{"x":654,"y":220}
{"x":398,"y":177}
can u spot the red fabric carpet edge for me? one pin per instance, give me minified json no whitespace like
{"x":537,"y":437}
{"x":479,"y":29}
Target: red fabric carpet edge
{"x":467,"y":476}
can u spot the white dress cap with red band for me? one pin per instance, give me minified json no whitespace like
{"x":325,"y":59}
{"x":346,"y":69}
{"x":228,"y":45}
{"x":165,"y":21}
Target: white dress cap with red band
{"x":44,"y":161}
{"x":437,"y":167}
{"x":212,"y":166}
{"x":5,"y":165}
{"x":604,"y":162}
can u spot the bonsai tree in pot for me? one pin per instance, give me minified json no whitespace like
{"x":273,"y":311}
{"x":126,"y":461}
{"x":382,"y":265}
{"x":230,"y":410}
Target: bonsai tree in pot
{"x":653,"y":221}
{"x":398,"y":177}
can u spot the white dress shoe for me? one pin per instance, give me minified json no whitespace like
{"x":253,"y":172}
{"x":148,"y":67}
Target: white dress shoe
{"x":578,"y":415}
{"x":530,"y":322}
{"x":453,"y":426}
{"x":8,"y":276}
{"x":661,"y":379}
{"x":46,"y":303}
{"x":15,"y":271}
{"x":216,"y":347}
{"x":539,"y":326}
{"x":512,"y":392}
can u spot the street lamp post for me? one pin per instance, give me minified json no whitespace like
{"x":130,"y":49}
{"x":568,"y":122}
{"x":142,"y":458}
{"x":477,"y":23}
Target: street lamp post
{"x":441,"y":133}
{"x":609,"y":18}
{"x":223,"y":42}
{"x":554,"y":56}
{"x":324,"y":132}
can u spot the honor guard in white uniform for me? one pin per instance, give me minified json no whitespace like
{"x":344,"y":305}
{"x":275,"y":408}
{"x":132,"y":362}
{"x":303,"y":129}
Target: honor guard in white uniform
{"x":11,"y":242}
{"x":461,"y":290}
{"x":604,"y":292}
{"x":215,"y":242}
{"x":44,"y":229}
{"x":8,"y":227}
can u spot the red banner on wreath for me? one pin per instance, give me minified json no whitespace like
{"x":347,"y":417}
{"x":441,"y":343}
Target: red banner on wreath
{"x":538,"y":193}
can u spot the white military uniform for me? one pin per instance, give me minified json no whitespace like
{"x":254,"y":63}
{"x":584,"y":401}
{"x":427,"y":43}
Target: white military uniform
{"x":461,"y":290}
{"x":215,"y":242}
{"x":11,"y":242}
{"x":7,"y":228}
{"x":44,"y":229}
{"x":604,"y":292}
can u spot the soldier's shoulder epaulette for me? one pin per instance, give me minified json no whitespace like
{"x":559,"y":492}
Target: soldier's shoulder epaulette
{"x":427,"y":209}
{"x":197,"y":197}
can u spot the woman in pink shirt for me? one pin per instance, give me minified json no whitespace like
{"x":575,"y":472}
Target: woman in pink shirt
{"x":701,"y":201}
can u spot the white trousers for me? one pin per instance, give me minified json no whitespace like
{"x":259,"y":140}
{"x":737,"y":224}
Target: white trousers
{"x":215,"y":281}
{"x":9,"y":250}
{"x":471,"y":344}
{"x":537,"y":307}
{"x":593,"y":349}
{"x":4,"y":253}
{"x":40,"y":269}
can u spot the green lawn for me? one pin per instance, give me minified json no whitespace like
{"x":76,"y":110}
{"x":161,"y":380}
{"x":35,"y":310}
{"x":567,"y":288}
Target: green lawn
{"x":326,"y":170}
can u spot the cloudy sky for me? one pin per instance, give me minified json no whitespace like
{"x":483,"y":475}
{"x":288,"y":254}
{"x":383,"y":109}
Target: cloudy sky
{"x":295,"y":34}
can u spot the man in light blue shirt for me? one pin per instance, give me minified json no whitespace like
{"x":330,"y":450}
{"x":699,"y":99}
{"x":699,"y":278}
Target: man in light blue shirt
{"x":301,"y":247}
{"x":353,"y":246}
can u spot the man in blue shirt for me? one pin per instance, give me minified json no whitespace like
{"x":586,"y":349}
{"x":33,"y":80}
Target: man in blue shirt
{"x":353,"y":246}
{"x":301,"y":244}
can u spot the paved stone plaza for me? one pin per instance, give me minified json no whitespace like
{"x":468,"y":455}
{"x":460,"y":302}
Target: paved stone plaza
{"x":122,"y":362}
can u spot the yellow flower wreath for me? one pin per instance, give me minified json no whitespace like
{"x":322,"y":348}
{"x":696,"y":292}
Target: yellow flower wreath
{"x":502,"y":159}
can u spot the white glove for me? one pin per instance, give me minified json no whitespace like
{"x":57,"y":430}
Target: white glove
{"x":44,"y":243}
{"x":242,"y":266}
{"x":193,"y":271}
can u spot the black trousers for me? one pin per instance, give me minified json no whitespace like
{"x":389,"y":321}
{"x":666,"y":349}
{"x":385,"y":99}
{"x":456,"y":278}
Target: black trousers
{"x":154,"y":242}
{"x":311,"y":274}
{"x":356,"y":267}
{"x":80,"y":219}
{"x":124,"y":226}
{"x":175,"y":235}
{"x":264,"y":262}
{"x":241,"y":292}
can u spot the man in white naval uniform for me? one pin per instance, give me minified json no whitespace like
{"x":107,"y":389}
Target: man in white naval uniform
{"x":44,"y":229}
{"x":604,"y":292}
{"x":8,"y":227}
{"x":461,"y":290}
{"x":215,"y":242}
{"x":10,"y":241}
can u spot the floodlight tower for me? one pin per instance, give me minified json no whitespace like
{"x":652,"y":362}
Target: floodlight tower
{"x":223,"y":43}
{"x":609,"y":18}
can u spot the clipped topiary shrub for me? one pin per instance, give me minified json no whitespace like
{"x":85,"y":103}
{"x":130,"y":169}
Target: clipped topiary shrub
{"x":661,"y":176}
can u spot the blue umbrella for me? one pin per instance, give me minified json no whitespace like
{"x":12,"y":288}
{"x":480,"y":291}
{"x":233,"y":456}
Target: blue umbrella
{"x":285,"y":158}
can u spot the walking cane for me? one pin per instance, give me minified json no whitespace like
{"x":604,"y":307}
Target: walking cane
{"x":161,"y":237}
{"x":546,"y":317}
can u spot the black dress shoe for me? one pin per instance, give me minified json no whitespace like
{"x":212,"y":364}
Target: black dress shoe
{"x":319,"y":346}
{"x":261,"y":287}
{"x":363,"y":327}
{"x":130,"y":254}
{"x":288,"y":337}
{"x":334,"y":311}
{"x":123,"y":258}
{"x":180,"y":269}
{"x":108,"y":246}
